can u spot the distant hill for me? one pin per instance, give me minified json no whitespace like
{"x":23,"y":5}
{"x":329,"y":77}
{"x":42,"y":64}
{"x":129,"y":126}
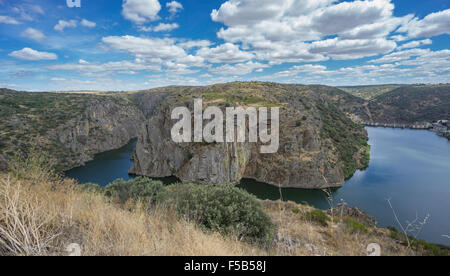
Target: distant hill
{"x":412,"y":104}
{"x":370,"y":91}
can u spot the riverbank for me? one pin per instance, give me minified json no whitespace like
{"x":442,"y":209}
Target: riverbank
{"x":441,"y":129}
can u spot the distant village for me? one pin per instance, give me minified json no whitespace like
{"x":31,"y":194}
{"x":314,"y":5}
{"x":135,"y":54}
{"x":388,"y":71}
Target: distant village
{"x":440,"y":127}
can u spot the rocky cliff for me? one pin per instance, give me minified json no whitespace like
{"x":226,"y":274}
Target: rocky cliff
{"x":71,"y":127}
{"x":320,"y":146}
{"x":316,"y":140}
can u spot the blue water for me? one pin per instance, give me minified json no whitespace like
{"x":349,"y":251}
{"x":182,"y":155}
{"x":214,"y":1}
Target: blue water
{"x":411,"y":167}
{"x":106,"y":167}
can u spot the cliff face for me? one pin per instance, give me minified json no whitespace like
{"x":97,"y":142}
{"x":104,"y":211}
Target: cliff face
{"x":306,"y":157}
{"x":105,"y":125}
{"x":71,"y":127}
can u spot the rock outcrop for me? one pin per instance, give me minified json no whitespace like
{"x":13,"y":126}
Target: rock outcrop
{"x":307,"y":157}
{"x":342,"y":210}
{"x":105,"y":125}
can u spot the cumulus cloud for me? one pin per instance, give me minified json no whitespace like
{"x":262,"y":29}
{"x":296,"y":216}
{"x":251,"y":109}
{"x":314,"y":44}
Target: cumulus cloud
{"x":148,"y":48}
{"x":33,"y":34}
{"x":281,"y":31}
{"x":238,"y":69}
{"x":87,"y":23}
{"x":432,"y":25}
{"x":8,"y":20}
{"x":162,"y":27}
{"x":228,"y":53}
{"x":33,"y":55}
{"x":195,"y":43}
{"x":352,"y":49}
{"x":86,"y":67}
{"x":401,"y":55}
{"x":62,"y":24}
{"x":415,"y":44}
{"x":141,"y":11}
{"x":158,"y":51}
{"x":174,"y":7}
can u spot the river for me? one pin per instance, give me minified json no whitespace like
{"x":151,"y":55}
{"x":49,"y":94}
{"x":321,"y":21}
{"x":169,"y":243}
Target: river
{"x":410,"y":167}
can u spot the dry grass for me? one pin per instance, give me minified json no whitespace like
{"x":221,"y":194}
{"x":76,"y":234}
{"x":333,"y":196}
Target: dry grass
{"x":308,"y":238}
{"x":41,"y":214}
{"x":42,"y":218}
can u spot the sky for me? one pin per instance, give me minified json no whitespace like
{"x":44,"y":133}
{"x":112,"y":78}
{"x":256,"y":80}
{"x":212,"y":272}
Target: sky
{"x":115,"y":45}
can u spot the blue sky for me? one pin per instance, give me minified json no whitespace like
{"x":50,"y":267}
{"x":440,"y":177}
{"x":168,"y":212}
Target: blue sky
{"x":140,"y":44}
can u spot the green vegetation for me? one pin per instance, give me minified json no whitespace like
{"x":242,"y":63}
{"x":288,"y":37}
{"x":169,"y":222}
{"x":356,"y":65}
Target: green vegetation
{"x":370,"y":91}
{"x":138,"y":188}
{"x":412,"y":104}
{"x":427,"y":248}
{"x":347,"y":137}
{"x":354,"y":226}
{"x":246,"y":99}
{"x":317,"y":216}
{"x":225,"y":208}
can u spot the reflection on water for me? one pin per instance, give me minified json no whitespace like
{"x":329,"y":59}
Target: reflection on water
{"x":412,"y":167}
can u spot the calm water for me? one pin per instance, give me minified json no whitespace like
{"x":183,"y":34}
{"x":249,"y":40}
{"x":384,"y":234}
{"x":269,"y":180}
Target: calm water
{"x":412,"y":167}
{"x":106,"y":167}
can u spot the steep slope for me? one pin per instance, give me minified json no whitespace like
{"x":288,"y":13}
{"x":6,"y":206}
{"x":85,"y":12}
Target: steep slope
{"x":319,"y":145}
{"x":72,"y":127}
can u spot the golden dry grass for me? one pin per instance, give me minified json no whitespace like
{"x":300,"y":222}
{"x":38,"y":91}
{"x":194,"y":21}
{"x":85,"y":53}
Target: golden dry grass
{"x":41,"y":214}
{"x":310,"y":238}
{"x":42,"y":218}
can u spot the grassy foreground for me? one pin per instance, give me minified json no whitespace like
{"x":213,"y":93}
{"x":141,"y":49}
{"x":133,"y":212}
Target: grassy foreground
{"x":41,"y":214}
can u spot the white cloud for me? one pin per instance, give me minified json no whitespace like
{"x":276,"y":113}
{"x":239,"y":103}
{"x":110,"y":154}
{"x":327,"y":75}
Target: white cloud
{"x":86,"y":67}
{"x":8,"y":20}
{"x":195,"y":43}
{"x":238,"y":69}
{"x":401,"y":55}
{"x":141,"y":11}
{"x":228,"y":53}
{"x":30,"y":54}
{"x":352,"y":49}
{"x":432,"y":25}
{"x":33,"y":34}
{"x":62,"y":24}
{"x":281,"y":31}
{"x":174,"y":7}
{"x":415,"y":44}
{"x":87,"y":23}
{"x":162,"y":27}
{"x":147,"y":48}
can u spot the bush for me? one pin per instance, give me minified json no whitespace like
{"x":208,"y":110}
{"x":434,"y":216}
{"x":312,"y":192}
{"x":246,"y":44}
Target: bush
{"x":317,"y":216}
{"x":138,"y":188}
{"x":225,"y":209}
{"x":354,"y":226}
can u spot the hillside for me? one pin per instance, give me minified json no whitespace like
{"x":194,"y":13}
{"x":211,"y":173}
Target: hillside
{"x":412,"y":104}
{"x":320,"y":146}
{"x":369,"y":92}
{"x":132,"y":219}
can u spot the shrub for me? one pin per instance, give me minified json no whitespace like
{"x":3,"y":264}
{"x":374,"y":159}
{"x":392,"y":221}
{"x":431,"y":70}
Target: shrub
{"x":317,"y":216}
{"x":354,"y":226}
{"x":138,"y":188}
{"x":224,"y":208}
{"x":92,"y":187}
